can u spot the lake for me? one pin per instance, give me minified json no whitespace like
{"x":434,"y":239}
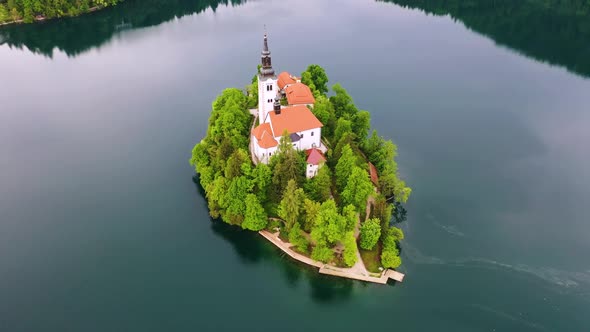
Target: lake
{"x":103,"y":229}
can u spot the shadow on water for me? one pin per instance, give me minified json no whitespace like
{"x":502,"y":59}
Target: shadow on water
{"x":253,"y":249}
{"x":552,"y":31}
{"x":74,"y":36}
{"x":400,"y":214}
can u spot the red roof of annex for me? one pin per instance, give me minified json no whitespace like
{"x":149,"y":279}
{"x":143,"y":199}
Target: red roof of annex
{"x":299,"y":93}
{"x":315,"y":156}
{"x":293,"y":119}
{"x":285,"y":79}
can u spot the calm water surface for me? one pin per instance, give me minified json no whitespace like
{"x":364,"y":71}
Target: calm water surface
{"x":102,"y":228}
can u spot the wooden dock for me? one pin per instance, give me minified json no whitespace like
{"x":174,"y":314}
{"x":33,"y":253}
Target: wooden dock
{"x":329,"y":269}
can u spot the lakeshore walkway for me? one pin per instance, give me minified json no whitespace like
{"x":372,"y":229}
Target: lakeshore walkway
{"x":350,"y":273}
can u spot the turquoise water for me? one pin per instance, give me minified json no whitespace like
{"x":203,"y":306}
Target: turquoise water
{"x":103,"y":229}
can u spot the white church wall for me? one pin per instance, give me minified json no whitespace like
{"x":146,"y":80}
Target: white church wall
{"x":267,"y":91}
{"x":311,"y":138}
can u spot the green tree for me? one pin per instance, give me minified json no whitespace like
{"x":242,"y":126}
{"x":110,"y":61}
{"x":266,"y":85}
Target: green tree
{"x":390,"y":253}
{"x":287,"y":164}
{"x":322,"y":253}
{"x":343,"y":103}
{"x":230,"y":119}
{"x":290,"y":206}
{"x":316,"y":76}
{"x":306,"y":79}
{"x":396,"y":233}
{"x":350,"y":250}
{"x":382,"y":154}
{"x":215,"y":193}
{"x":252,"y":91}
{"x":262,"y":177}
{"x":343,"y":126}
{"x":370,"y":234}
{"x":324,"y":111}
{"x":330,"y":226}
{"x":382,"y":211}
{"x":352,"y":217}
{"x":234,"y":166}
{"x":358,"y":188}
{"x":297,"y":238}
{"x":318,"y":187}
{"x":4,"y":13}
{"x":344,"y":167}
{"x":390,"y":259}
{"x":255,"y":218}
{"x":235,"y":198}
{"x":361,"y":124}
{"x":312,"y":209}
{"x":347,"y":139}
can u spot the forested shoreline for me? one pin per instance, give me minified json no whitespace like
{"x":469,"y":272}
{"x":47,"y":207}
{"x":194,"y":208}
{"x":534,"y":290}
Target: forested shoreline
{"x":552,"y":31}
{"x":327,"y":217}
{"x":29,"y":11}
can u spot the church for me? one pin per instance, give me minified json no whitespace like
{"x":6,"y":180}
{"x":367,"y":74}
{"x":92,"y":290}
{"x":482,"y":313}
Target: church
{"x":274,"y":118}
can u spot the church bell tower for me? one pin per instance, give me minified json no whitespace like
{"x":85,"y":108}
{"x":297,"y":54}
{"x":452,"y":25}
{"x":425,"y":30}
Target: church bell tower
{"x":267,"y":84}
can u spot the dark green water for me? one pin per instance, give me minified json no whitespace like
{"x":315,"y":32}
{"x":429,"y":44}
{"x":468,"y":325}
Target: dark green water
{"x":102,"y":228}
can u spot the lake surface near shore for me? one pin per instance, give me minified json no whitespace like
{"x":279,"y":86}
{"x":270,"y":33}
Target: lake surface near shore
{"x":103,"y":229}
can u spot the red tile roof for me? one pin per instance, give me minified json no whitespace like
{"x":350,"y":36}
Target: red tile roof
{"x":263,"y":135}
{"x":293,"y":119}
{"x":374,"y":174}
{"x":285,"y":79}
{"x":299,"y":93}
{"x":314,"y":156}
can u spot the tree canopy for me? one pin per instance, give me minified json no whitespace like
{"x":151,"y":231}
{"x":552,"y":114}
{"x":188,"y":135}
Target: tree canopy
{"x":315,"y":77}
{"x":370,"y":233}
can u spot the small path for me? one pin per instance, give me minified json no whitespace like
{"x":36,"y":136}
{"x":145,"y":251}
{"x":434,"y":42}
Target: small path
{"x":251,"y":145}
{"x":357,"y":272}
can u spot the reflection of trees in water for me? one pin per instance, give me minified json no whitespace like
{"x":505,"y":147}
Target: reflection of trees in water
{"x":552,"y":31}
{"x":77,"y":35}
{"x":252,"y":248}
{"x":400,"y":214}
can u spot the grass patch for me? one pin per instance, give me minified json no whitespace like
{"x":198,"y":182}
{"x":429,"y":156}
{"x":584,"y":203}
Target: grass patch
{"x":371,"y":258}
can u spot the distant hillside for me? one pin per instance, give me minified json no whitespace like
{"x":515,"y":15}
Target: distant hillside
{"x":76,"y":35}
{"x":553,"y":31}
{"x":28,"y":11}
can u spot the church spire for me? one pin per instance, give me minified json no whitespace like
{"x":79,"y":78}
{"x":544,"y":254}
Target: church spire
{"x":266,"y":69}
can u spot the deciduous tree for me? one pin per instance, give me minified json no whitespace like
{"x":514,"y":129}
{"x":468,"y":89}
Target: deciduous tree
{"x":350,"y":250}
{"x":357,"y":189}
{"x":344,"y":167}
{"x":255,"y":218}
{"x":317,"y":77}
{"x":370,"y":233}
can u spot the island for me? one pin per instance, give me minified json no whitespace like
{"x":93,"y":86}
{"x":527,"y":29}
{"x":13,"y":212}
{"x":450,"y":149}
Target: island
{"x":284,"y":159}
{"x":29,"y":11}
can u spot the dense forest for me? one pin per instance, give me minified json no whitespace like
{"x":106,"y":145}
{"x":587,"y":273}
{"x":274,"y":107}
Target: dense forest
{"x":321,"y":215}
{"x":29,"y":10}
{"x":553,"y":31}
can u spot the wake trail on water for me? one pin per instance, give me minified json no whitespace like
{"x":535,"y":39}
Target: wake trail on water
{"x":576,"y":282}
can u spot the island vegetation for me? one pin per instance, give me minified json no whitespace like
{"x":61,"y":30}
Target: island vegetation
{"x":327,"y":217}
{"x":27,"y":11}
